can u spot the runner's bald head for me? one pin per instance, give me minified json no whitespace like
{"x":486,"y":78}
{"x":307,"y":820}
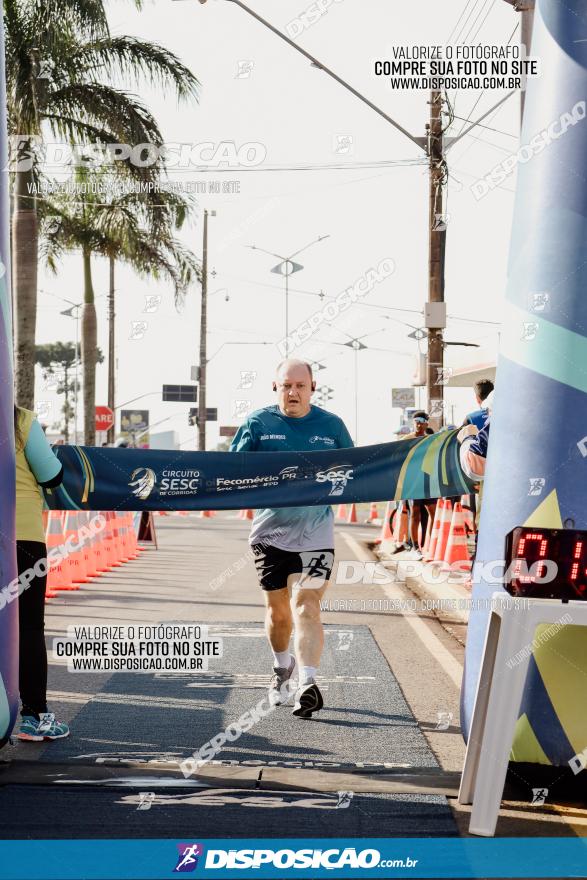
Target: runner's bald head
{"x":295,"y":385}
{"x":285,"y":366}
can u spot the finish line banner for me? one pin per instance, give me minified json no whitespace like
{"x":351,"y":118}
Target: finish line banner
{"x":100,"y":478}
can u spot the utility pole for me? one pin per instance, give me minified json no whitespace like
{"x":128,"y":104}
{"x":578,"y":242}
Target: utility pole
{"x":436,"y":250}
{"x":203,"y":330}
{"x":526,"y":10}
{"x":111,"y":355}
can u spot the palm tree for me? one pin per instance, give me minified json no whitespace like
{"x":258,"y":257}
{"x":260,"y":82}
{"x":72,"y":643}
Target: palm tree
{"x":135,"y":228}
{"x":65,"y":89}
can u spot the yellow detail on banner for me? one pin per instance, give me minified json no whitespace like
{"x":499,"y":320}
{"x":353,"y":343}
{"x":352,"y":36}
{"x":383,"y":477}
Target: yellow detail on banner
{"x":547,"y":514}
{"x":526,"y":747}
{"x":562,"y":663}
{"x":430,"y":459}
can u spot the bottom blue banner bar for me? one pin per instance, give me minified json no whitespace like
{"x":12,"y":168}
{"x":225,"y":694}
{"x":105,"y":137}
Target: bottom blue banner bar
{"x":304,"y":858}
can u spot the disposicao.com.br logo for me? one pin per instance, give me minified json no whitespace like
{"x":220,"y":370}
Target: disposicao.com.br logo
{"x":188,"y":857}
{"x":328,"y":859}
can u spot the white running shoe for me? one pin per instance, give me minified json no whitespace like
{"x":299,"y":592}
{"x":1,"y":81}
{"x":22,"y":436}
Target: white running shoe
{"x":279,"y":689}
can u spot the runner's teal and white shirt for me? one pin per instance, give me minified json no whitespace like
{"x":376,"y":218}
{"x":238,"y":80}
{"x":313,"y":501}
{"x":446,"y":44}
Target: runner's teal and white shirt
{"x":268,"y":430}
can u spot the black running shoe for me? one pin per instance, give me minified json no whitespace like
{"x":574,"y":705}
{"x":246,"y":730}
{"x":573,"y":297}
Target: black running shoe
{"x":308,"y":700}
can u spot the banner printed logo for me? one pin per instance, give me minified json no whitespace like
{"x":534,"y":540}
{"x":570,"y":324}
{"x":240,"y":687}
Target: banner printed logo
{"x":338,"y":475}
{"x":142,"y":482}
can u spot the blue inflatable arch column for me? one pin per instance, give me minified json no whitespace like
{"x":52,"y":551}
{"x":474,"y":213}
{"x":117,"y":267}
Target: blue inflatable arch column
{"x":8,"y":610}
{"x":539,"y":424}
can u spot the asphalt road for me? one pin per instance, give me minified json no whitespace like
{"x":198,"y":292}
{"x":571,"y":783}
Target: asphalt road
{"x":391,"y":686}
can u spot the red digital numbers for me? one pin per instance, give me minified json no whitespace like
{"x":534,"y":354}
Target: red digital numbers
{"x":521,"y":552}
{"x":547,"y":563}
{"x":576,"y":563}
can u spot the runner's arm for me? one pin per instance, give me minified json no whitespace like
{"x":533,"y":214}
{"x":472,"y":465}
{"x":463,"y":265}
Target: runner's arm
{"x":473,"y":453}
{"x":244,"y":440}
{"x":46,"y":467}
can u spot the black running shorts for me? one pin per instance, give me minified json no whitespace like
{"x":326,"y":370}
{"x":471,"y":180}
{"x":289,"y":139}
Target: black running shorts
{"x":274,"y":566}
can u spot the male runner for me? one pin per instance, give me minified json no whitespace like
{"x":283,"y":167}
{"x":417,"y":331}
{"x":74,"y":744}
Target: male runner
{"x":293,"y":546}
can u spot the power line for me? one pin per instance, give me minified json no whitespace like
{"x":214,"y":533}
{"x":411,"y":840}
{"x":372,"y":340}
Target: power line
{"x":483,"y":22}
{"x":457,"y":38}
{"x":484,"y":90}
{"x":469,"y":32}
{"x":458,"y":21}
{"x":488,"y":127}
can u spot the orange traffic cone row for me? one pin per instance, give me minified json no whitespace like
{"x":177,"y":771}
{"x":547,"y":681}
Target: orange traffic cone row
{"x":248,"y":514}
{"x":457,"y":553}
{"x":59,"y":571}
{"x":444,"y":529}
{"x":352,"y":517}
{"x":386,"y":534}
{"x":341,"y":513}
{"x":207,"y":513}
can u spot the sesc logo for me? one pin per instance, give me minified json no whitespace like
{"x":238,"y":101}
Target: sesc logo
{"x":338,"y":475}
{"x":142,"y":482}
{"x":188,"y":855}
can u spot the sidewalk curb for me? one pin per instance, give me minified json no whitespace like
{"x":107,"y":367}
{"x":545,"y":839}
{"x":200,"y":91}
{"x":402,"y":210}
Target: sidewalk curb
{"x":441,"y":597}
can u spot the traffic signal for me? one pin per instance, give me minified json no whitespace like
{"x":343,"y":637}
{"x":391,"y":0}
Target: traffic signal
{"x":193,"y":416}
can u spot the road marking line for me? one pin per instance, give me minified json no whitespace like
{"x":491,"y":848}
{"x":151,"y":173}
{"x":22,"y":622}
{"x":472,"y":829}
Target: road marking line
{"x":432,"y":643}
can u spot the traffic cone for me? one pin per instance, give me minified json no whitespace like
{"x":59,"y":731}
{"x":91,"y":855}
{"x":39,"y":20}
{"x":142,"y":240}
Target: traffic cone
{"x":205,"y":514}
{"x":400,"y":524}
{"x":79,"y":574}
{"x":89,"y":545}
{"x":352,"y":517}
{"x":341,"y":513}
{"x":457,"y":554}
{"x":58,"y":573}
{"x":100,"y":547}
{"x":373,"y":512}
{"x":117,"y":538}
{"x":443,"y":531}
{"x":121,"y":529}
{"x":429,"y":555}
{"x":386,"y":534}
{"x":248,"y":514}
{"x":130,"y":544}
{"x":110,"y":541}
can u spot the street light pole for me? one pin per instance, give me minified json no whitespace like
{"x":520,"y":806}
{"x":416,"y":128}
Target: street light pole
{"x":111,"y":349}
{"x":286,"y":268}
{"x":69,"y":314}
{"x":203,"y":332}
{"x":436,"y":249}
